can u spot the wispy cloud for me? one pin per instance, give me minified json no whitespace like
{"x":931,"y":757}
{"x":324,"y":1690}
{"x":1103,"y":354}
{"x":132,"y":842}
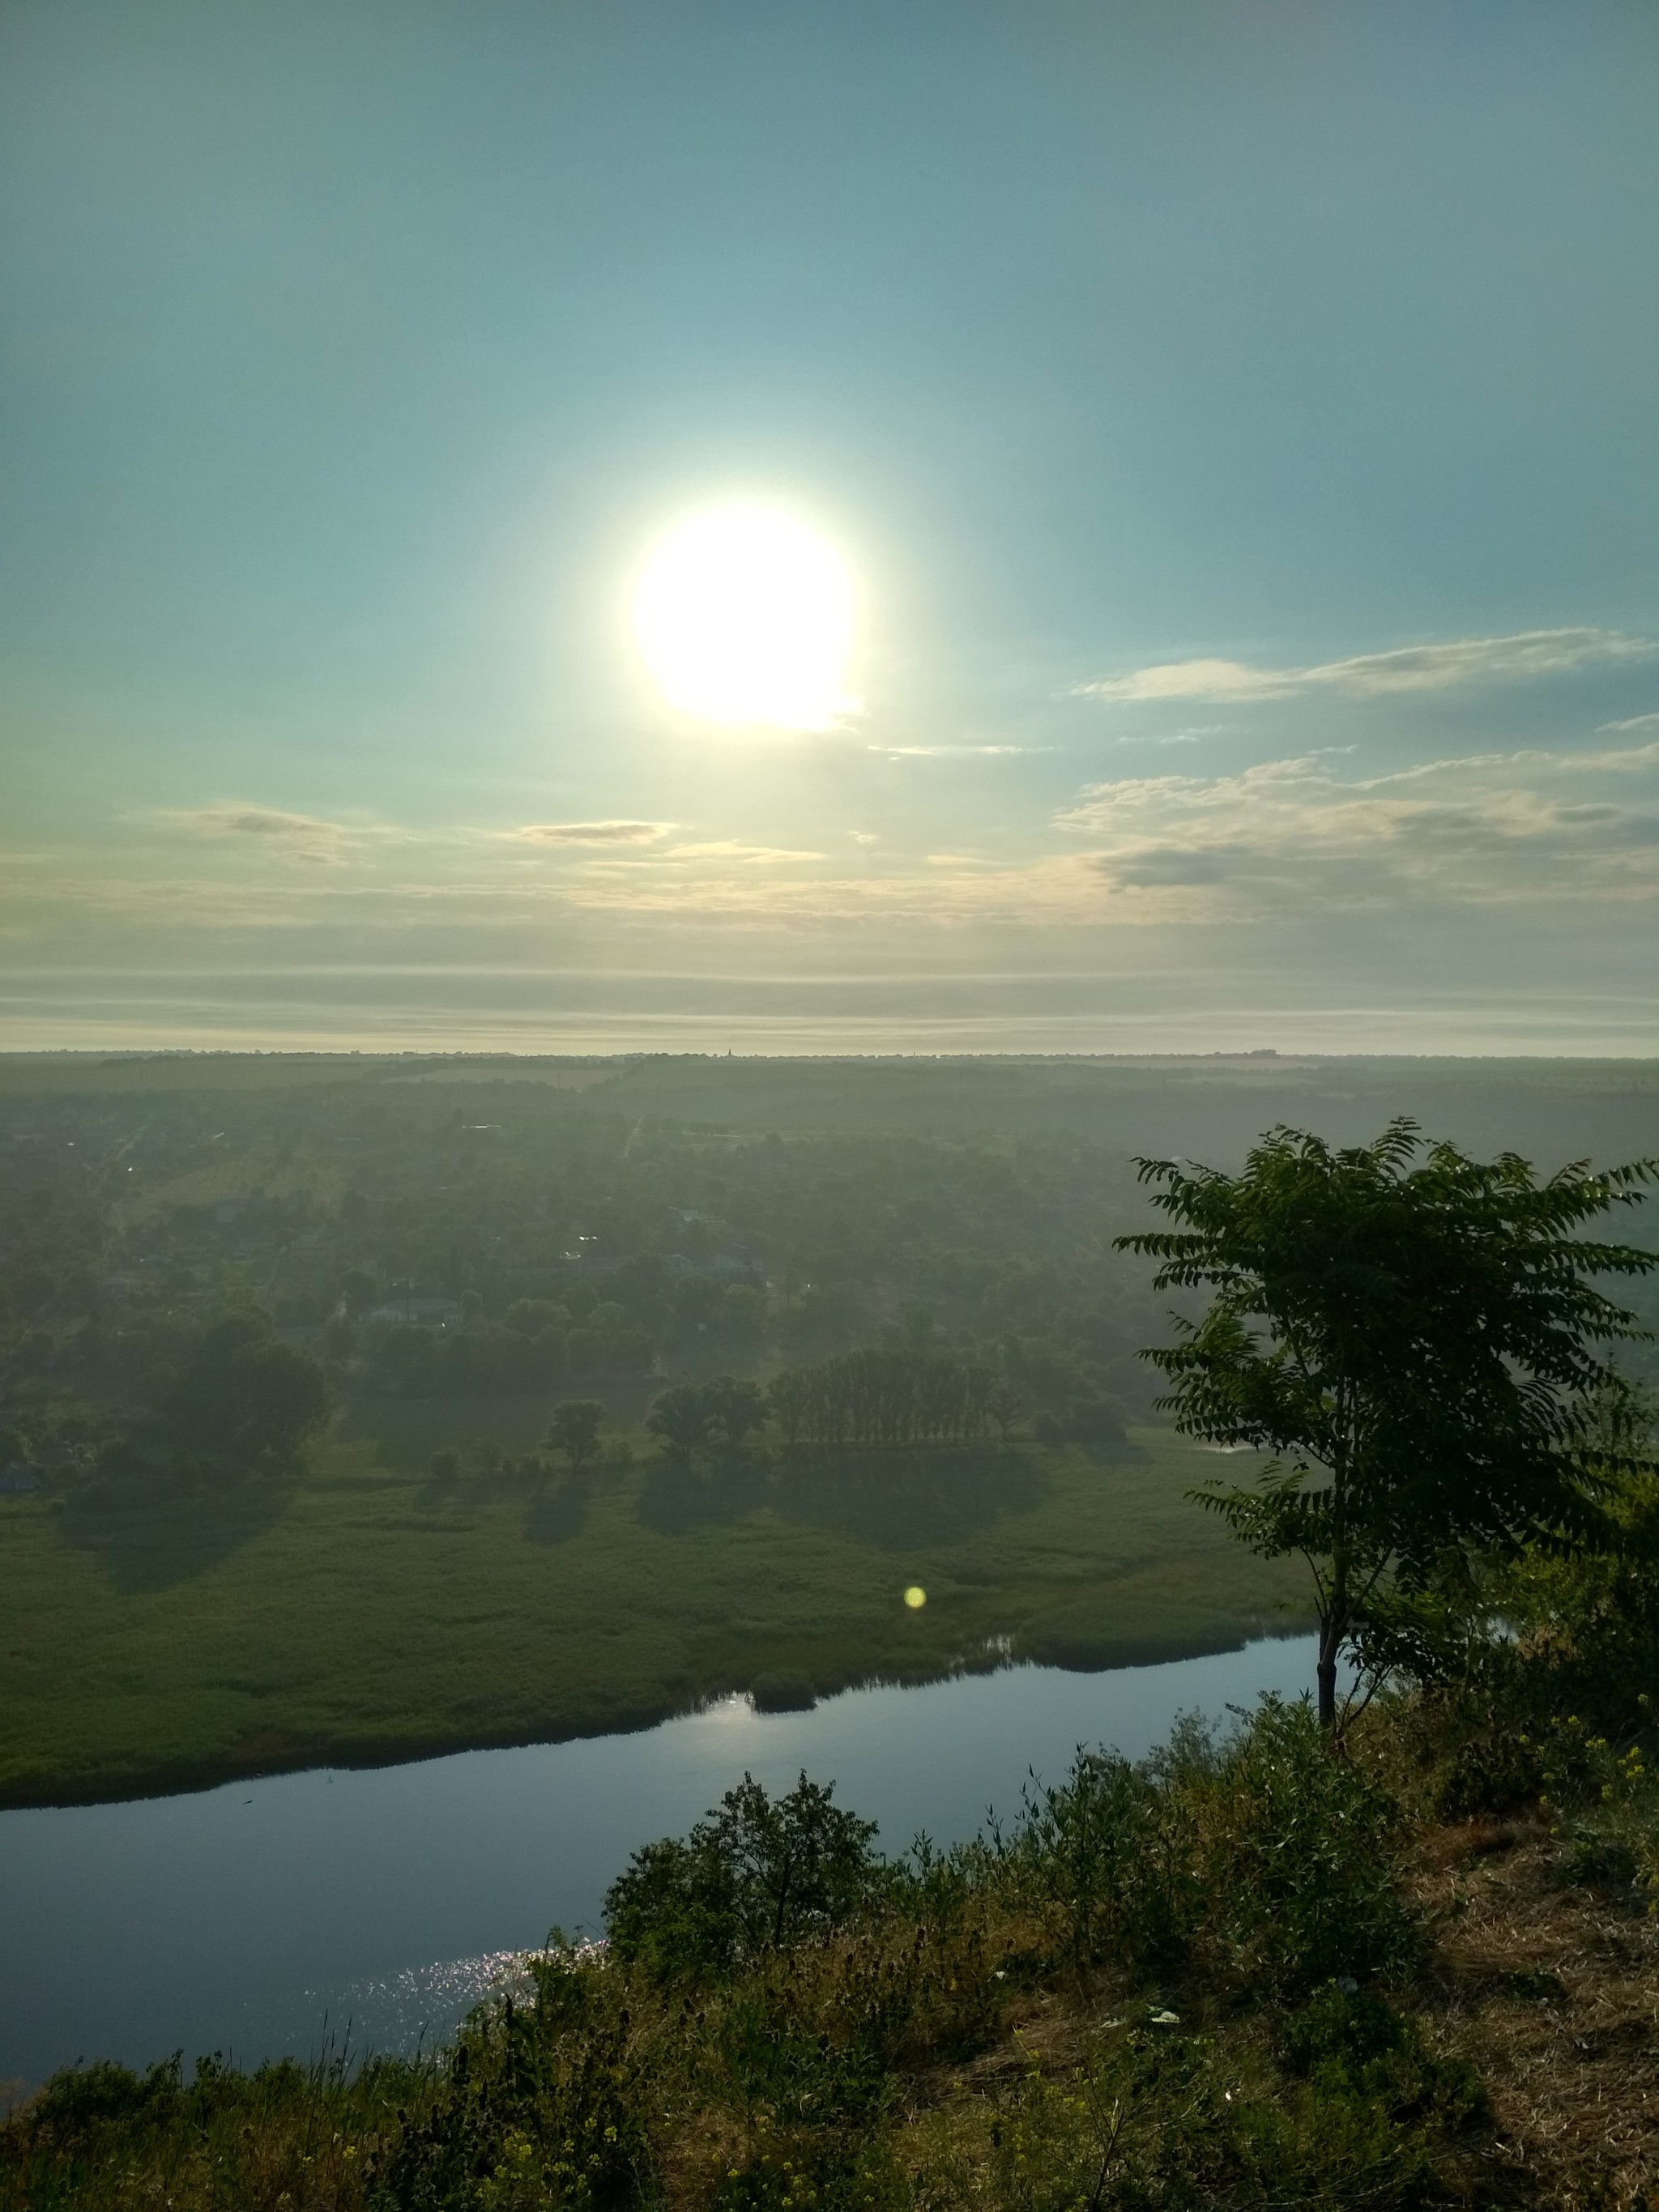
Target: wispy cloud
{"x":301,"y":836}
{"x":1296,"y":836}
{"x":730,"y":849}
{"x":590,"y":833}
{"x":1296,"y":832}
{"x":1634,"y":722}
{"x":956,"y":752}
{"x":1373,"y":675}
{"x":1621,"y":758}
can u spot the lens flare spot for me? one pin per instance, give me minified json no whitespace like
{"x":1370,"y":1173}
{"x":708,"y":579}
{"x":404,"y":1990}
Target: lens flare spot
{"x":915,"y":1597}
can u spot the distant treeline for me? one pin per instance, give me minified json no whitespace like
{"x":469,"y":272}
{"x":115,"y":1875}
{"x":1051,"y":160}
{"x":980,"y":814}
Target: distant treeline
{"x":531,"y":1352}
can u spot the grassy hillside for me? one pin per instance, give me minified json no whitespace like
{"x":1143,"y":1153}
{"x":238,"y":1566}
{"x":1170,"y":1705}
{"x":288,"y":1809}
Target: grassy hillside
{"x":165,"y":1635}
{"x":1255,"y":1976}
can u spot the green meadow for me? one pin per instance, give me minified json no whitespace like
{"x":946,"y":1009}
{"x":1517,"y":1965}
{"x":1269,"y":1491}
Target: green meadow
{"x":166,"y":1638}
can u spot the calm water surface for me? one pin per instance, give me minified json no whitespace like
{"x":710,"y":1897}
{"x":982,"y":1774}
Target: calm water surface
{"x":259,"y":1919}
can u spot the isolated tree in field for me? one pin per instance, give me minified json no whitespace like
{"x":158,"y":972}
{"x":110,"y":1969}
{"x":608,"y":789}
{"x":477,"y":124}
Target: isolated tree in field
{"x":680,"y":1418}
{"x":574,"y":1429}
{"x":1416,"y":1344}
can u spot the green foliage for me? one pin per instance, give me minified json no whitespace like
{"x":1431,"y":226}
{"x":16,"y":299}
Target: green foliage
{"x":243,"y":1395}
{"x":574,"y":1430}
{"x":1434,"y":1336}
{"x":540,"y":2106}
{"x":681,"y":1418}
{"x":1352,"y":2046}
{"x":1271,"y":1859}
{"x":424,"y":1362}
{"x":366,"y":1600}
{"x":1106,"y":1860}
{"x":781,"y":1690}
{"x":1089,"y":1417}
{"x":722,"y":1413}
{"x":1299,"y":1859}
{"x":102,"y":2138}
{"x":533,"y":1317}
{"x":83,"y":2098}
{"x":736,"y":1408}
{"x":740,"y":1319}
{"x":885,"y":1397}
{"x":1141,"y":1998}
{"x":819,"y":2170}
{"x":1530,"y":1671}
{"x":533,"y":1349}
{"x":779,"y":2019}
{"x":1161,"y":2119}
{"x":754,"y":1875}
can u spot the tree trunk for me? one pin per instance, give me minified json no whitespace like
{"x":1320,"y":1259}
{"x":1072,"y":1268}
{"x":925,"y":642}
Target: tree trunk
{"x":1333,"y":1620}
{"x":1330,"y":1643}
{"x":783,"y":1901}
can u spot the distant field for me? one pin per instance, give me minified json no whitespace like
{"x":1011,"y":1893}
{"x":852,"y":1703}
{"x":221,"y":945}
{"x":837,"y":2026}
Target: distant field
{"x":367,"y":1612}
{"x":1212,"y":1106}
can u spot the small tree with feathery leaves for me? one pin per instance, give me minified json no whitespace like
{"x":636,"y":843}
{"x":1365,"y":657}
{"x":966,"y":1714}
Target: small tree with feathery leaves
{"x":1416,"y":1343}
{"x":574,"y":1430}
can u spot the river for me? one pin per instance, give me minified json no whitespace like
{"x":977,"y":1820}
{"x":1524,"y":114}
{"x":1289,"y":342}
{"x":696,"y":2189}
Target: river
{"x":275,"y":1917}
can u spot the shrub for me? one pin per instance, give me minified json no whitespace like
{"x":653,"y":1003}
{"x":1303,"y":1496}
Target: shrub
{"x":783,"y":1692}
{"x":104,"y":2138}
{"x":1350,"y":2044}
{"x":1103,"y":1860}
{"x":1274,"y":1855}
{"x":83,"y":2097}
{"x":1297,"y":1856}
{"x":754,"y":1875}
{"x":540,"y":2105}
{"x":1158,"y":2117}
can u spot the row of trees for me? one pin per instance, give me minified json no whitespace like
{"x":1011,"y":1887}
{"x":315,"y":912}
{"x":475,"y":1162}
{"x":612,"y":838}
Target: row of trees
{"x":891,"y":1396}
{"x":888,"y":1396}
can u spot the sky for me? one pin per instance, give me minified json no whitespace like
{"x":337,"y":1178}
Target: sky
{"x":1239,"y":425}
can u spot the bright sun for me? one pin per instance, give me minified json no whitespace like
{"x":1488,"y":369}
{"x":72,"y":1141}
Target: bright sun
{"x":744,"y":616}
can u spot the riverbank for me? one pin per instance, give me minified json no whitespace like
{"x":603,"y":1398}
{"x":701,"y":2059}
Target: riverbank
{"x":255,"y":1917}
{"x":1135,"y":1995}
{"x":369,"y":1612}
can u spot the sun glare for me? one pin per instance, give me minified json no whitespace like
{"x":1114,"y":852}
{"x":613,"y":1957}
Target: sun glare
{"x":744,"y":616}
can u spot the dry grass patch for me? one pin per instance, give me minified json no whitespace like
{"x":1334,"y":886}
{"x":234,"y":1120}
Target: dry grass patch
{"x":1554,"y":1989}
